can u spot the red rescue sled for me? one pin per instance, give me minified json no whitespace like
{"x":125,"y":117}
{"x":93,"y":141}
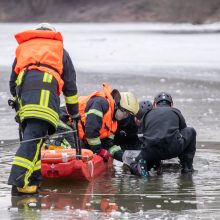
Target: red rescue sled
{"x":63,"y":164}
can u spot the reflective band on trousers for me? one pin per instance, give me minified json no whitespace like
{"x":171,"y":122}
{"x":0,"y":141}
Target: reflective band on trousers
{"x":112,"y":150}
{"x":36,"y":163}
{"x":23,"y":162}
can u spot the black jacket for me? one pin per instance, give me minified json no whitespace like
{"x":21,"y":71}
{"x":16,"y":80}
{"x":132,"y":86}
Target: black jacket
{"x":161,"y":125}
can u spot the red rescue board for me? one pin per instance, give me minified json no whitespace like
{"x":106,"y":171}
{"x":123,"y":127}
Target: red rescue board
{"x":60,"y":166}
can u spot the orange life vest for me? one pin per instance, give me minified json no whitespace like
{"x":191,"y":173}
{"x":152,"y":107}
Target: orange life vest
{"x":109,"y":126}
{"x":41,"y":50}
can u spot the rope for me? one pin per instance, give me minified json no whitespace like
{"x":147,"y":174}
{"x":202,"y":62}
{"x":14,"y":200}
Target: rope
{"x":35,"y":139}
{"x":67,"y":157}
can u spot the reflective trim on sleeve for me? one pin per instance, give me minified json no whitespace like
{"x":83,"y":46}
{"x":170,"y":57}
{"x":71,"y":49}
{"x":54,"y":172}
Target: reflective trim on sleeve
{"x":71,"y":99}
{"x":95,"y":111}
{"x":112,"y":136}
{"x":112,"y":150}
{"x":93,"y":141}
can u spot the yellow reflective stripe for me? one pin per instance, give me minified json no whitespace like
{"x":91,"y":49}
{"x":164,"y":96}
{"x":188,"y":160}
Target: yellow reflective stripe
{"x":50,"y":78}
{"x":42,"y":115}
{"x":63,"y":125}
{"x":19,"y":79}
{"x":94,"y":141}
{"x":47,"y":77}
{"x":26,"y":177}
{"x":37,"y":165}
{"x":96,"y":112}
{"x":29,"y":172}
{"x":112,"y":136}
{"x":23,"y":162}
{"x":47,"y":98}
{"x":20,"y":102}
{"x":71,"y":99}
{"x":33,"y":107}
{"x":44,"y":97}
{"x":112,"y":150}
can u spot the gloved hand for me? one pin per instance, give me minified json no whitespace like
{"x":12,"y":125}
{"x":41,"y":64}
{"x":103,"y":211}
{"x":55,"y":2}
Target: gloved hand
{"x":139,"y":168}
{"x":13,"y":102}
{"x":104,"y":154}
{"x":74,"y":120}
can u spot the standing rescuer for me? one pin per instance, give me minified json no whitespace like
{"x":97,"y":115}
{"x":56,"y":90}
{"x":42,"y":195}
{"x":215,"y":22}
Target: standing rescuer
{"x":100,"y":112}
{"x":41,"y":71}
{"x":165,"y":136}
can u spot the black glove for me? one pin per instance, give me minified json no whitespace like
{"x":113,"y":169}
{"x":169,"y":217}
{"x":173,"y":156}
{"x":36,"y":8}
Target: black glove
{"x":13,"y":103}
{"x":74,"y":120}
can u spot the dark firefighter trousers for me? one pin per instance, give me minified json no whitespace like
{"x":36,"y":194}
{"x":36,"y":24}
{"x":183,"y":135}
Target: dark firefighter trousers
{"x":26,"y":165}
{"x":182,"y":145}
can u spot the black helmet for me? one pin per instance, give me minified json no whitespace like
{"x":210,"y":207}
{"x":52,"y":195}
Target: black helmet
{"x":144,"y":106}
{"x":163,"y":96}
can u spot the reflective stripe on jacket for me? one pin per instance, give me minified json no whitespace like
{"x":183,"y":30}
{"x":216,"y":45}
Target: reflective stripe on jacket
{"x":41,"y":50}
{"x":109,"y":126}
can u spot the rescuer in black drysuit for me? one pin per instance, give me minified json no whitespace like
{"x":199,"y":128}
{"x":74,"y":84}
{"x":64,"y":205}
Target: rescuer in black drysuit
{"x":165,"y":136}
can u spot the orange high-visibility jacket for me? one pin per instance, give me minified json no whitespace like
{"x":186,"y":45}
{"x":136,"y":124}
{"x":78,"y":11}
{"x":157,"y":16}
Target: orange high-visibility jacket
{"x":109,"y":126}
{"x":38,"y":47}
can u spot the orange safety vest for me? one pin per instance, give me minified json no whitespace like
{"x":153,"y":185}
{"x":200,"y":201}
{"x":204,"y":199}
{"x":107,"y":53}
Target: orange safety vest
{"x":41,"y":50}
{"x":109,"y":126}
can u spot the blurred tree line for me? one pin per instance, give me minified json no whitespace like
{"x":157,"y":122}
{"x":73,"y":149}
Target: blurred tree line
{"x":196,"y":11}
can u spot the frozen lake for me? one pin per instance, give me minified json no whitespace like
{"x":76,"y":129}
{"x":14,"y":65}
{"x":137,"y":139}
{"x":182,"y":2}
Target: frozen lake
{"x":144,"y":59}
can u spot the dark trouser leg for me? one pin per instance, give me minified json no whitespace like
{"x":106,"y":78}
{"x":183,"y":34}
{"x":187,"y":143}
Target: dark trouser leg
{"x":26,"y":159}
{"x":189,"y":147}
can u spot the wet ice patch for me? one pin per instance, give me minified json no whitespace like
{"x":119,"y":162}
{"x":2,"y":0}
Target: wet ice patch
{"x":162,"y":80}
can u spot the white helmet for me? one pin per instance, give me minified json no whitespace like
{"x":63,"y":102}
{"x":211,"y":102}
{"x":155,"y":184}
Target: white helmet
{"x":129,"y":102}
{"x":45,"y":26}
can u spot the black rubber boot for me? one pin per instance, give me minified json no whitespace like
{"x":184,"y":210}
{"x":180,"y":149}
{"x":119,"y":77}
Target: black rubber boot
{"x":187,"y":168}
